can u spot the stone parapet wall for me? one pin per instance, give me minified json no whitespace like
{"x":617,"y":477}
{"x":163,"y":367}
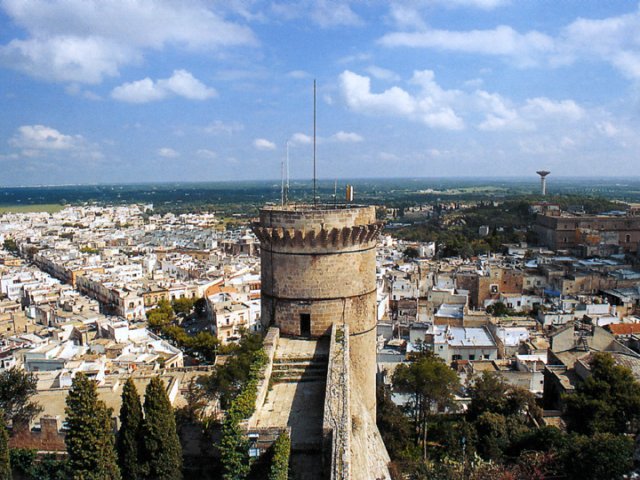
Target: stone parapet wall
{"x":322,"y":240}
{"x":336,"y":423}
{"x":270,"y":343}
{"x":317,"y":217}
{"x":49,"y":438}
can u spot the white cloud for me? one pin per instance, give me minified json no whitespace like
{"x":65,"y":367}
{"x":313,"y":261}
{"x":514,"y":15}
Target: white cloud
{"x":499,"y":113}
{"x":431,"y":105}
{"x":219,"y":127}
{"x":451,"y":109}
{"x":264,"y":144}
{"x":482,"y":4}
{"x":607,"y":128}
{"x":205,"y":153}
{"x":85,"y":41}
{"x":613,"y":40}
{"x":40,"y":137}
{"x":542,"y":106}
{"x":324,"y":13}
{"x":298,"y":74}
{"x":332,"y":13}
{"x":382,"y":73}
{"x":300,"y":139}
{"x":140,"y":91}
{"x":181,"y":83}
{"x":346,"y":137}
{"x":406,"y":16}
{"x":356,"y":90}
{"x":388,"y":157}
{"x":167,"y":152}
{"x":40,"y":141}
{"x":503,"y":40}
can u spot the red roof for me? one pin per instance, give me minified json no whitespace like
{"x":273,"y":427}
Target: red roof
{"x":624,"y":328}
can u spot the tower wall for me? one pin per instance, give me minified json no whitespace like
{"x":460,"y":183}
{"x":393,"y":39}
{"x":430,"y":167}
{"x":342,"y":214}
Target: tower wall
{"x":320,"y":262}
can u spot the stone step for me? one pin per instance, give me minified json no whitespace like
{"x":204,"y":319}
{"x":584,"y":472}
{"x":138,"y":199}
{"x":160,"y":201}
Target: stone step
{"x":304,"y":381}
{"x":298,"y":378}
{"x":299,"y":366}
{"x":314,"y":358}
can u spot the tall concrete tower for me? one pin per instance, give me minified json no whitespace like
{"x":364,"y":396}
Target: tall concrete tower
{"x":543,"y":181}
{"x":319,"y":269}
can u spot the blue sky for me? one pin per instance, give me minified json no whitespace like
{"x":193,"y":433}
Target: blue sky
{"x":133,"y":91}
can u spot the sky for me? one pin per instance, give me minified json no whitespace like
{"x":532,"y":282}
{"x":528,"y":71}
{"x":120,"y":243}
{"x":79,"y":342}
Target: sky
{"x":128,"y":91}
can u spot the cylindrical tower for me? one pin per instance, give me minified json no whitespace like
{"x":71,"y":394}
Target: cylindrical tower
{"x":319,"y":268}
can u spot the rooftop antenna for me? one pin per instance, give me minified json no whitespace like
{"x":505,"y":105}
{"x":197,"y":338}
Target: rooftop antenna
{"x":315,"y":199}
{"x":286,"y":190}
{"x":282,"y":182}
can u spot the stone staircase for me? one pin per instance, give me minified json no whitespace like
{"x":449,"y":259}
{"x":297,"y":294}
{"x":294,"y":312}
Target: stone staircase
{"x":301,"y":369}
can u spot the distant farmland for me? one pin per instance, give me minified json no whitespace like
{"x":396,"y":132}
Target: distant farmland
{"x":47,"y":207}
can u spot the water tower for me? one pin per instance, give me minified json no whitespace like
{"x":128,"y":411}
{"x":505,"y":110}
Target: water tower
{"x":543,"y":181}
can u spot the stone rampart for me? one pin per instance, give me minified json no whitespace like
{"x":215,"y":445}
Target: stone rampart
{"x":48,"y":438}
{"x":319,"y":269}
{"x":336,"y":423}
{"x":270,"y":343}
{"x":317,"y":216}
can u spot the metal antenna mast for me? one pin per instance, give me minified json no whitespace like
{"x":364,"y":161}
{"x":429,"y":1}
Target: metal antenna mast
{"x":315,"y":199}
{"x":286,"y":187}
{"x":282,"y":182}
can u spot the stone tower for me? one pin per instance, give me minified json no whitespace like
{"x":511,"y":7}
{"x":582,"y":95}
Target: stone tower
{"x":319,"y":269}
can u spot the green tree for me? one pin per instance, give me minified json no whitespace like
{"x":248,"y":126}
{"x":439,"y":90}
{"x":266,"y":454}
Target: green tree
{"x":393,"y":424}
{"x":500,"y":413}
{"x":280,"y":459}
{"x":161,"y":451}
{"x":493,"y":435}
{"x":17,"y":387}
{"x":606,"y":401}
{"x":228,"y":379}
{"x":602,"y":456}
{"x":160,"y":316}
{"x":183,"y":306}
{"x":200,"y":307}
{"x":431,"y":385}
{"x":5,"y":461}
{"x":490,"y":393}
{"x":195,"y":396}
{"x":499,"y":309}
{"x":234,"y":449}
{"x":10,"y":245}
{"x":90,"y":439}
{"x":130,"y":434}
{"x":411,"y":252}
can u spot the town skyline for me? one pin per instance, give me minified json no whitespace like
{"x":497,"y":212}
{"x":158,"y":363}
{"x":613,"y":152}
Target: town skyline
{"x":215,"y":92}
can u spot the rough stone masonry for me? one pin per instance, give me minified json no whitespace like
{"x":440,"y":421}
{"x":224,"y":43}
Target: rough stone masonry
{"x":319,"y":269}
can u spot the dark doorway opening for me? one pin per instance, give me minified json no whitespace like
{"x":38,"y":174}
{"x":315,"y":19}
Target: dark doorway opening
{"x":305,"y":324}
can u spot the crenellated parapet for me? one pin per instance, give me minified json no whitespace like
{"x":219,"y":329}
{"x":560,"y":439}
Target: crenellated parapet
{"x":323,"y":238}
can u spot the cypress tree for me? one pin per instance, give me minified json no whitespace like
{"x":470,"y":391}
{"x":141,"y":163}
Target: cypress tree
{"x":5,"y":463}
{"x":129,"y":436}
{"x":90,"y":439}
{"x":162,"y":451}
